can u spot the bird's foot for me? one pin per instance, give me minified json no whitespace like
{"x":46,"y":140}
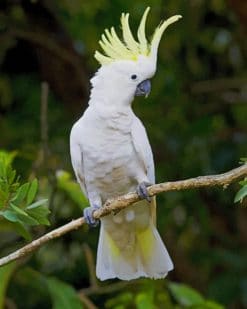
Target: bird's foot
{"x":142,"y":191}
{"x":88,"y":215}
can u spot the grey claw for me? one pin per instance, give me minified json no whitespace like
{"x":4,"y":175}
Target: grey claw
{"x":88,"y":215}
{"x":142,"y":191}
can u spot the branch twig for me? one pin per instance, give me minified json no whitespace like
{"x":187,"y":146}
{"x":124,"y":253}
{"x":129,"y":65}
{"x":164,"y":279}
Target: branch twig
{"x":121,"y":202}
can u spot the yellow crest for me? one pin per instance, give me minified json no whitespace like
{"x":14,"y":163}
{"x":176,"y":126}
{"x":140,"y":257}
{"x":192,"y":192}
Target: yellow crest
{"x":129,"y":49}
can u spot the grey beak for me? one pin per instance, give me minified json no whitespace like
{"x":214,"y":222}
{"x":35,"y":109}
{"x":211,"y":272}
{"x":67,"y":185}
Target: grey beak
{"x":143,"y":88}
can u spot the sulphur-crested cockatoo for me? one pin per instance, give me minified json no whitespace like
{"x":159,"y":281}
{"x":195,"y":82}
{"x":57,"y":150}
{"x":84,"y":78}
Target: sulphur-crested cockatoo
{"x":111,"y":155}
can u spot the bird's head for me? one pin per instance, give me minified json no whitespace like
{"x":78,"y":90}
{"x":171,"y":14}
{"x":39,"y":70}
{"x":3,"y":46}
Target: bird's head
{"x":127,"y":65}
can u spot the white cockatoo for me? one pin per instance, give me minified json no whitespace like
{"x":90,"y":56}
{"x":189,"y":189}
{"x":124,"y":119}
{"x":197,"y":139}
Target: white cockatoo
{"x":111,"y":155}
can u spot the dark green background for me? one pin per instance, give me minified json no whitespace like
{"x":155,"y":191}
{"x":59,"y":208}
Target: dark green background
{"x":195,"y":118}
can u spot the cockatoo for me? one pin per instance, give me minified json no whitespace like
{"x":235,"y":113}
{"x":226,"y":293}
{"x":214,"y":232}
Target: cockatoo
{"x":111,"y":155}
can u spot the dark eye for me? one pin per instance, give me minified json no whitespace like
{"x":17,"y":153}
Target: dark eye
{"x":134,"y":76}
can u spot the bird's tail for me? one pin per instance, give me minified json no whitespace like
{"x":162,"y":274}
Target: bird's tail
{"x":147,"y":256}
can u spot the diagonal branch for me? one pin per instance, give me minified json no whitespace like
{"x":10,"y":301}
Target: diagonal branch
{"x":121,"y":202}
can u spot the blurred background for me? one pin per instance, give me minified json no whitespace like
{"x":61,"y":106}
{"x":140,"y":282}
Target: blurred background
{"x":196,"y":121}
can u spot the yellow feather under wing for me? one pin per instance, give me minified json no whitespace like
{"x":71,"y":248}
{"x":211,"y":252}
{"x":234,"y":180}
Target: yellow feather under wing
{"x":114,"y":249}
{"x":155,"y":259}
{"x":117,"y":258}
{"x":145,"y":241}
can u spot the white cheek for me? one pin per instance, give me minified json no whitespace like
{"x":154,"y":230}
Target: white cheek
{"x":132,"y":88}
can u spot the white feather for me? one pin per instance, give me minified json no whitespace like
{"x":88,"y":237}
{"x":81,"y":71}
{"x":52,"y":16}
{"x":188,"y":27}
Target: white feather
{"x":111,"y":155}
{"x":134,"y":265}
{"x":143,"y":147}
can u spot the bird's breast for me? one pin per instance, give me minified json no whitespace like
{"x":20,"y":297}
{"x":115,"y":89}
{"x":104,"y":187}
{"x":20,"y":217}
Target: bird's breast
{"x":110,"y":165}
{"x":109,"y":156}
{"x":112,"y":170}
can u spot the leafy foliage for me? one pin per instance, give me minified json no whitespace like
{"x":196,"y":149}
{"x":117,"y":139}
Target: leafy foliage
{"x":16,"y":199}
{"x":5,"y":275}
{"x":188,"y":297}
{"x":149,"y":296}
{"x":71,"y":188}
{"x":63,"y":295}
{"x":242,"y":193}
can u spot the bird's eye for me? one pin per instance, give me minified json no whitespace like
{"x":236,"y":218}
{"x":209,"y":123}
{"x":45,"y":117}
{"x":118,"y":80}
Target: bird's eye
{"x":134,"y":76}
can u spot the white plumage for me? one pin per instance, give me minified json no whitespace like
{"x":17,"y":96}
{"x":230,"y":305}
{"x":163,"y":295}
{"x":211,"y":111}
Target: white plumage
{"x":111,"y":156}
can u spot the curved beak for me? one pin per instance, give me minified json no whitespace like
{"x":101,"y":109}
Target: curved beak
{"x":143,"y":88}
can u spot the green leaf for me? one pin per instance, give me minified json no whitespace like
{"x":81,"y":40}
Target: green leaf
{"x":18,"y":223}
{"x":32,"y":279}
{"x":34,"y":215}
{"x":3,"y":197}
{"x":144,"y":301}
{"x":209,"y":304}
{"x":37,"y":204}
{"x":40,"y":213}
{"x":11,"y":176}
{"x":22,"y":230}
{"x":32,"y":191}
{"x":13,"y":223}
{"x":243,"y":182}
{"x":7,"y":157}
{"x":5,"y":275}
{"x":63,"y":295}
{"x":120,"y":301}
{"x":242,"y":193}
{"x":71,"y":188}
{"x":20,"y":194}
{"x":17,"y":209}
{"x":23,"y":216}
{"x":10,"y":215}
{"x":185,"y":295}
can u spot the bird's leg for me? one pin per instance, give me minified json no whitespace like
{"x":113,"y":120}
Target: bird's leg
{"x":142,"y":191}
{"x":95,"y":203}
{"x":88,"y":215}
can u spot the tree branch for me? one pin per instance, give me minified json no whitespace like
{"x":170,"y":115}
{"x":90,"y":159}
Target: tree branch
{"x":116,"y":204}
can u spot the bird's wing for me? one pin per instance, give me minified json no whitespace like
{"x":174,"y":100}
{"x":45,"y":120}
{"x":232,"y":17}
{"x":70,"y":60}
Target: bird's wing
{"x":77,"y":159}
{"x":143,"y":149}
